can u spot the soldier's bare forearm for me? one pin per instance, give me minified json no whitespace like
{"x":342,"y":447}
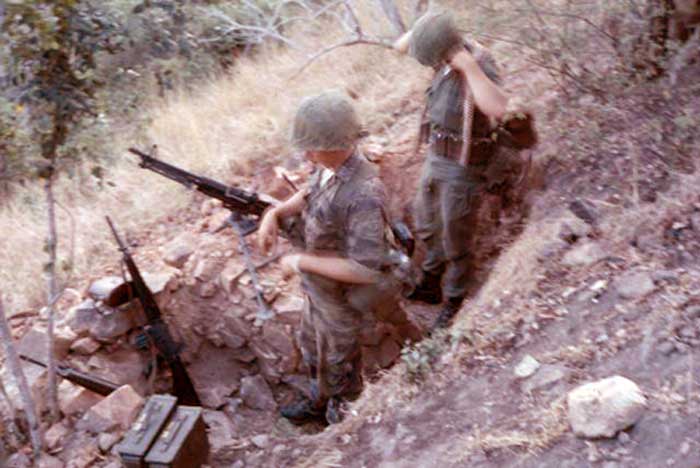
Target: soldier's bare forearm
{"x":292,"y":206}
{"x":337,"y":268}
{"x":489,"y":98}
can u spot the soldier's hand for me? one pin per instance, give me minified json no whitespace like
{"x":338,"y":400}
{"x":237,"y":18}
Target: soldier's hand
{"x":268,"y":232}
{"x":290,"y":264}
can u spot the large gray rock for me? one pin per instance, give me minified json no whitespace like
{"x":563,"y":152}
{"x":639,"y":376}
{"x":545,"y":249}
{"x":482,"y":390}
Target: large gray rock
{"x":116,"y":411}
{"x":603,"y":408}
{"x":585,"y":254}
{"x":635,"y":285}
{"x":256,"y":394}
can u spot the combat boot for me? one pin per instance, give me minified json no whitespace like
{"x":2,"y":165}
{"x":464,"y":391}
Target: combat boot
{"x":428,"y":290}
{"x":304,"y":410}
{"x":335,"y":411}
{"x":448,"y":311}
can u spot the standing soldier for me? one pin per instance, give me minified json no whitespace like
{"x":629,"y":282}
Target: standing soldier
{"x":345,"y":269}
{"x":469,"y":124}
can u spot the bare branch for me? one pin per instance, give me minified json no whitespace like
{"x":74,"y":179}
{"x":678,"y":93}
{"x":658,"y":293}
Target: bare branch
{"x":348,"y":43}
{"x":394,"y":15}
{"x":353,"y":19}
{"x":420,"y":8}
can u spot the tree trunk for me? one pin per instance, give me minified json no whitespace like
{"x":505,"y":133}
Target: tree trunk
{"x":392,"y":12}
{"x":52,"y":297}
{"x":12,"y":360}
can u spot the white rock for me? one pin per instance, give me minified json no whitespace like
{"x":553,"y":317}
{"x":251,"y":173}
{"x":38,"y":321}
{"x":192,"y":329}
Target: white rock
{"x":605,"y":407}
{"x":261,"y":440}
{"x":635,"y":285}
{"x":527,"y":367}
{"x":585,"y":254}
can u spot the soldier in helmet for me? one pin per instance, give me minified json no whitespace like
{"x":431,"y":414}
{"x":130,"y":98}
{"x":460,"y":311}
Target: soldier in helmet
{"x":345,"y":268}
{"x":472,"y":129}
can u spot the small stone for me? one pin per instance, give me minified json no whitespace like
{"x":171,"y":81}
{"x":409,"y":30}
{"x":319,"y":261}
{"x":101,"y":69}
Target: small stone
{"x":261,"y":440}
{"x":85,"y":346}
{"x":47,"y":461}
{"x":279,"y":448}
{"x":584,"y":210}
{"x":106,"y":441}
{"x":55,"y":435}
{"x":205,"y":269}
{"x":667,"y":276}
{"x":178,"y":251}
{"x":602,"y":338}
{"x":527,"y":367}
{"x":693,"y":311}
{"x":74,"y":399}
{"x":695,"y":221}
{"x":585,"y":254}
{"x":635,"y":285}
{"x":229,"y":276}
{"x":111,"y":324}
{"x":63,"y":337}
{"x":546,"y":376}
{"x":623,"y":438}
{"x":603,"y":408}
{"x":256,"y":394}
{"x":207,"y":290}
{"x":666,"y":348}
{"x":685,"y":448}
{"x":289,"y":304}
{"x":687,"y":332}
{"x":677,"y":398}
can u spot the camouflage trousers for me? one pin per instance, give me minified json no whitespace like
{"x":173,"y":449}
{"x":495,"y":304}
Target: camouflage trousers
{"x":332,"y":324}
{"x":446,"y":210}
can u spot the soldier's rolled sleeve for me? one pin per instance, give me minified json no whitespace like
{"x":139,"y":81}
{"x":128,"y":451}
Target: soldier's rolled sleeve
{"x":365,"y":229}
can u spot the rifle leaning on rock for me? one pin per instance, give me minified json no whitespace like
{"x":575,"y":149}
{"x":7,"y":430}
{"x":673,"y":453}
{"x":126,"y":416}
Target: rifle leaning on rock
{"x":157,"y":330}
{"x":96,"y":384}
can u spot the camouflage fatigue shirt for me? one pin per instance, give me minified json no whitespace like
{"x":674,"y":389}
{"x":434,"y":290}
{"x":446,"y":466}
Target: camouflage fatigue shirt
{"x":345,"y":216}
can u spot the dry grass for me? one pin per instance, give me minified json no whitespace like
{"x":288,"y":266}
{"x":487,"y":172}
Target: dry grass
{"x":549,"y":424}
{"x":234,"y":123}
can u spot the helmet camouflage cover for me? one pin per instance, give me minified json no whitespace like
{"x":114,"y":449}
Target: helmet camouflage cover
{"x":432,"y":37}
{"x":326,"y":122}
